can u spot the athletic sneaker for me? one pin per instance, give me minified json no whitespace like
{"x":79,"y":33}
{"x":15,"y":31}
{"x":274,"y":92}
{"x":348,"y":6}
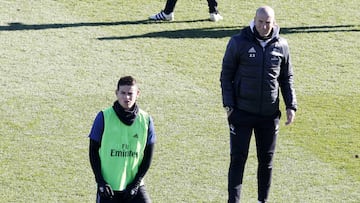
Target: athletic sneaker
{"x":215,"y":17}
{"x":163,"y":16}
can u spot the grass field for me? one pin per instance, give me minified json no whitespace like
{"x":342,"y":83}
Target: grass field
{"x":60,"y":61}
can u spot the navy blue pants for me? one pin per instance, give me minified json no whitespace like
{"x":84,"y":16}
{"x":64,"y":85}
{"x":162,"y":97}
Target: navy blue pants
{"x":170,"y":5}
{"x":265,"y":129}
{"x":141,"y":197}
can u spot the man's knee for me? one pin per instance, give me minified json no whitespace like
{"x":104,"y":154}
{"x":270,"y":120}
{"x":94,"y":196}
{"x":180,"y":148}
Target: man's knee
{"x":265,"y":160}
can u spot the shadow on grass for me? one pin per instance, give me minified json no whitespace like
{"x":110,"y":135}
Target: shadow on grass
{"x":220,"y":32}
{"x":323,"y":28}
{"x":210,"y":32}
{"x":18,"y":26}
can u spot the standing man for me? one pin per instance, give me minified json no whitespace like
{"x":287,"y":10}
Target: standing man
{"x":255,"y":66}
{"x":168,"y":13}
{"x":122,"y":141}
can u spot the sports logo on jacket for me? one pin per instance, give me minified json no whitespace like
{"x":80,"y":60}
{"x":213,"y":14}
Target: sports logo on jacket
{"x":252,"y":52}
{"x":275,"y":54}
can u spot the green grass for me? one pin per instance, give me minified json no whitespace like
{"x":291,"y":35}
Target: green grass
{"x":60,"y":61}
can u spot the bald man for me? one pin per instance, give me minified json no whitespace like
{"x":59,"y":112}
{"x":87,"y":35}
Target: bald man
{"x":256,"y":67}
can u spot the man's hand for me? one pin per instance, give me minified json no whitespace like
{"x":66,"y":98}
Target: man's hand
{"x":105,"y":191}
{"x":131,"y":190}
{"x":290,"y":116}
{"x":228,"y":110}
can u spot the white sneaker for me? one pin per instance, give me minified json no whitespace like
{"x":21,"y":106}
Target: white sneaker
{"x":162,"y":16}
{"x":215,"y":17}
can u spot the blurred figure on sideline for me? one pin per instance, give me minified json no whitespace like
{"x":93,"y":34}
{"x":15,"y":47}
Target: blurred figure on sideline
{"x":256,"y":65}
{"x":168,"y":13}
{"x":121,"y":147}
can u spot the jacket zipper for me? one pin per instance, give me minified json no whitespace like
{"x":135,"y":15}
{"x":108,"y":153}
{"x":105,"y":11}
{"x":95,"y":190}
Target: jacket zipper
{"x":262,"y":78}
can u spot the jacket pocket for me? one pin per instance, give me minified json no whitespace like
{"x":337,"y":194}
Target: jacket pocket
{"x":248,"y":88}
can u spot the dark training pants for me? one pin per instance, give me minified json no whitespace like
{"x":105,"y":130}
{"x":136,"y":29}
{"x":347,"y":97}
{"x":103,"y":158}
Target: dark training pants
{"x":266,"y":129}
{"x":141,"y":197}
{"x":170,"y":5}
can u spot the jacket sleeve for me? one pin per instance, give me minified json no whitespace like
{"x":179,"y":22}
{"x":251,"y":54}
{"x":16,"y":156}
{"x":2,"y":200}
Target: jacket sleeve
{"x":229,"y":67}
{"x":95,"y":161}
{"x":286,"y":79}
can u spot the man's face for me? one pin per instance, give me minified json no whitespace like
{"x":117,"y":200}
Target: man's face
{"x":264,"y":23}
{"x":127,"y":96}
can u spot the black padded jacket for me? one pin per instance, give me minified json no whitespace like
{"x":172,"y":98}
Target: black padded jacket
{"x":252,"y":75}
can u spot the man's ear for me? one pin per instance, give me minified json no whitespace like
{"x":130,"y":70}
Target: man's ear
{"x":138,"y":92}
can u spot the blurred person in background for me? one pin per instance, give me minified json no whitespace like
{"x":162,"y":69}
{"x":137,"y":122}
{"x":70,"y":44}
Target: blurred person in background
{"x":168,"y":13}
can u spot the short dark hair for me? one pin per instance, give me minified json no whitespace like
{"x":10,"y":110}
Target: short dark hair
{"x":126,"y":80}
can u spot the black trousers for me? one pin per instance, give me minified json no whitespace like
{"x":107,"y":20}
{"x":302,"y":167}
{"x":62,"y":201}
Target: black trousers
{"x":265,"y":129}
{"x":170,"y":6}
{"x":141,"y":197}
